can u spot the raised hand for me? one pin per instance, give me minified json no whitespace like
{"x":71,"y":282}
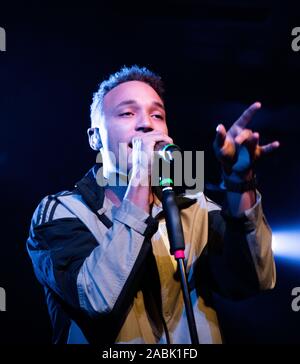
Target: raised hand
{"x":238,"y":148}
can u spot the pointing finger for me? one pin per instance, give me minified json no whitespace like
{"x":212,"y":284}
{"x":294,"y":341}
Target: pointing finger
{"x":247,"y":115}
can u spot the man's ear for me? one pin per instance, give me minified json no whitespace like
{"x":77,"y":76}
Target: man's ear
{"x":94,"y":138}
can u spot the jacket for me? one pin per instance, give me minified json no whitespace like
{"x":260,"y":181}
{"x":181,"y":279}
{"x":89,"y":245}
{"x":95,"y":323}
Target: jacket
{"x":108,"y":275}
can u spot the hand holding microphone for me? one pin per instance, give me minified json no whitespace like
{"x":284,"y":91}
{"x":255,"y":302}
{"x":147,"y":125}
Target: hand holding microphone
{"x":143,"y":146}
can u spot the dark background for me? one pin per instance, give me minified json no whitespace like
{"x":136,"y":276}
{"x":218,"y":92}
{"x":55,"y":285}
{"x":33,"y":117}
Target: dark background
{"x":216,"y":58}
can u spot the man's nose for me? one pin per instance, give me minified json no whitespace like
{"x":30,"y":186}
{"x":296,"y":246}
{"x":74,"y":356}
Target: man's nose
{"x":144,"y":124}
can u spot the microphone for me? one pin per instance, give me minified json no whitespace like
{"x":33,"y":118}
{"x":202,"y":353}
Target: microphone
{"x":166,"y":150}
{"x":164,"y":170}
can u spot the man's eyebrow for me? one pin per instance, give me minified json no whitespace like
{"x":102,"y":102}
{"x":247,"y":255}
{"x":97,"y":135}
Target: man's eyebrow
{"x":159,"y":104}
{"x":133,"y":102}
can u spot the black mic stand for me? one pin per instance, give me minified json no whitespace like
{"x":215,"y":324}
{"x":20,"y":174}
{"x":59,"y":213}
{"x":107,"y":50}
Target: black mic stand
{"x":177,"y":246}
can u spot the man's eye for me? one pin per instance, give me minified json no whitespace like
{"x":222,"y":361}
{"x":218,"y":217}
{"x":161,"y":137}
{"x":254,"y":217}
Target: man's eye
{"x":158,"y":116}
{"x":128,"y":113}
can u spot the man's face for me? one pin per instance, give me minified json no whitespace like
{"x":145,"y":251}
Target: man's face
{"x":129,"y":109}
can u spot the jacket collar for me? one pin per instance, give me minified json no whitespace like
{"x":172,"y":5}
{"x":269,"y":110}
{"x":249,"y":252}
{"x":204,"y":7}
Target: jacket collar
{"x":91,"y":192}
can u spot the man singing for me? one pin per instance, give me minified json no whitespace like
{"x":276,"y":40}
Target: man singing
{"x":101,"y":251}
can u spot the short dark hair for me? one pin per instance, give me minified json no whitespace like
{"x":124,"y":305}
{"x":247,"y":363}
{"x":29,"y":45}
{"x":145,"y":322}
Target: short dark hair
{"x":125,"y":74}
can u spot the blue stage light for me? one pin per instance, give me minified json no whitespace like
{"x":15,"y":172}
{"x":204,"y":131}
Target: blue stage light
{"x":286,"y":242}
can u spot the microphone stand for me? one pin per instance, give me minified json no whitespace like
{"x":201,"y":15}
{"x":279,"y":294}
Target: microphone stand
{"x":177,"y":245}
